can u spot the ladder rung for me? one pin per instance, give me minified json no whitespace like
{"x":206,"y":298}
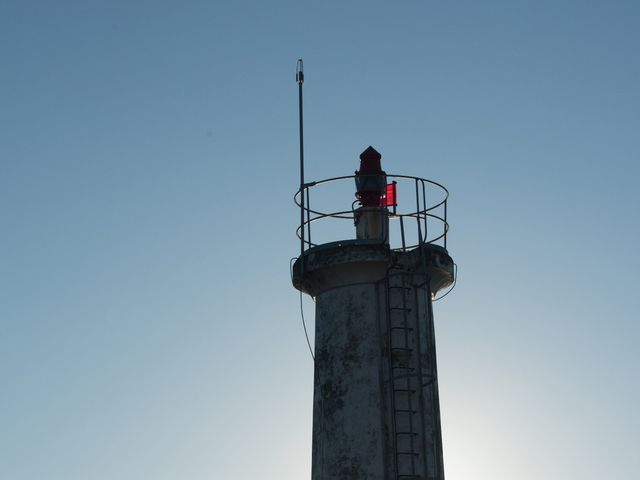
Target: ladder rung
{"x":405,"y":349}
{"x":408,"y":329}
{"x":399,"y":390}
{"x":407,"y":433}
{"x":400,"y":308}
{"x":415,"y":454}
{"x":405,"y":410}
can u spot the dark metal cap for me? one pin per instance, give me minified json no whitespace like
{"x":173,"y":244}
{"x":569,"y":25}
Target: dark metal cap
{"x":370,"y":162}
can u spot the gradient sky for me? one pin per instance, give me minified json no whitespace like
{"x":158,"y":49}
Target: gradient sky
{"x":148,"y":156}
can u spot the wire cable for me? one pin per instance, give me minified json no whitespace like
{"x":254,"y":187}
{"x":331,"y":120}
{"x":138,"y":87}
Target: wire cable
{"x":455,"y":280}
{"x":304,"y":324}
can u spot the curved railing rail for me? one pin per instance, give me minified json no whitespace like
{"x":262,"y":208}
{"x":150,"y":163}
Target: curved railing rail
{"x":419,"y":217}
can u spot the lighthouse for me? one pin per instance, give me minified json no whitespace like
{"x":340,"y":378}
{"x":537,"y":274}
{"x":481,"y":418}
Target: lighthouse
{"x":376,"y":411}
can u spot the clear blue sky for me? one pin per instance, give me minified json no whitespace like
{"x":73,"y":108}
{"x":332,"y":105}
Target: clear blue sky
{"x":148,"y":155}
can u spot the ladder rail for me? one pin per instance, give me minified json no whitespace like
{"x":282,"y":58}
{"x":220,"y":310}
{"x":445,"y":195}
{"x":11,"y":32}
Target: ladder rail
{"x":401,"y":372}
{"x":405,"y":321}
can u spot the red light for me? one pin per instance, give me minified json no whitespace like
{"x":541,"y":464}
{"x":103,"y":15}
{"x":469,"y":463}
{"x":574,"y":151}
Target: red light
{"x":391,"y":197}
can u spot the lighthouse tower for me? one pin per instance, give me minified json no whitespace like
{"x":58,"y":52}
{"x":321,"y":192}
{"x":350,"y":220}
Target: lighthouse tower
{"x":376,"y":413}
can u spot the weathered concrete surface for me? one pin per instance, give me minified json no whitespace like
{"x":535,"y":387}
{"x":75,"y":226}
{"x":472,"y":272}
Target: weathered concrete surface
{"x":372,"y":223}
{"x":374,"y":340}
{"x":340,"y":264}
{"x":360,"y":261}
{"x":411,"y":384}
{"x":348,"y":427}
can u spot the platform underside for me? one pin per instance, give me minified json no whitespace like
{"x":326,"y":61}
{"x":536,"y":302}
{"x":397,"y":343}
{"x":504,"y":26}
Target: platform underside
{"x":353,"y":262}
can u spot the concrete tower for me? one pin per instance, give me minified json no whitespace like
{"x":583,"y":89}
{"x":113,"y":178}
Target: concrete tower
{"x":376,"y":413}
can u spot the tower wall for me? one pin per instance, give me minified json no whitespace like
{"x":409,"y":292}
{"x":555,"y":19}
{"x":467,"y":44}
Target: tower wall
{"x":349,"y":431}
{"x":376,"y":412}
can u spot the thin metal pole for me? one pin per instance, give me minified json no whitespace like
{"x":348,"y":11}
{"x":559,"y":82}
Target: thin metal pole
{"x":300,"y":80}
{"x":308,"y":219}
{"x":426,"y":215}
{"x":418,"y":214}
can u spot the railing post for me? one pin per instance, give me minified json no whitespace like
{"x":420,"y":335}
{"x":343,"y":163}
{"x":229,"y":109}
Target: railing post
{"x":424,"y":206}
{"x":308,"y":218}
{"x":418,"y":214}
{"x":301,"y":230}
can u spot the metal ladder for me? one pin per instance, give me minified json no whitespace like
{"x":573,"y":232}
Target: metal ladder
{"x":405,"y":376}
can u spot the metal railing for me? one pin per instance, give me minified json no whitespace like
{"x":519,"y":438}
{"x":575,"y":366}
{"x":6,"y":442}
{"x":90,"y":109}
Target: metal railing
{"x":420,"y":215}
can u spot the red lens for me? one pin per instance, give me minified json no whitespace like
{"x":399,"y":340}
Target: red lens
{"x":391,"y":197}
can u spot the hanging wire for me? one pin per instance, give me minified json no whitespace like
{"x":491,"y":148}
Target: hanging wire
{"x":304,"y":324}
{"x":455,"y":280}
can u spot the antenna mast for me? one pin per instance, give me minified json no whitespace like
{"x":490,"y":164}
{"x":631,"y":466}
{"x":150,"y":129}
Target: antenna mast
{"x":300,"y":81}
